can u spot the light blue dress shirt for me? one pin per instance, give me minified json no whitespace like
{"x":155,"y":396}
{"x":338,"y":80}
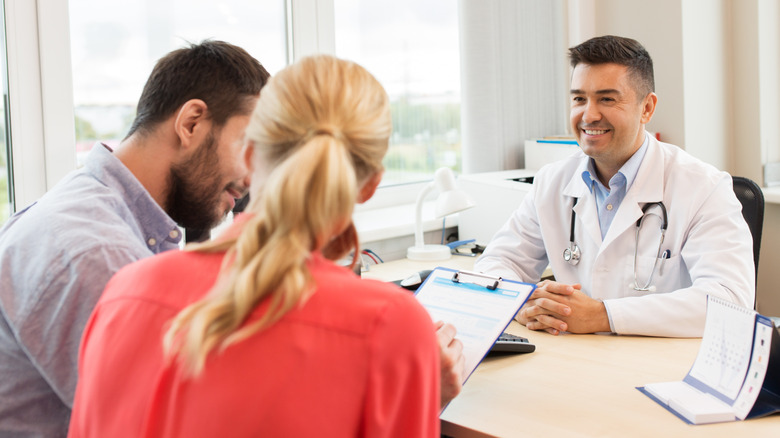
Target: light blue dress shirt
{"x":56,"y":256}
{"x":608,"y":200}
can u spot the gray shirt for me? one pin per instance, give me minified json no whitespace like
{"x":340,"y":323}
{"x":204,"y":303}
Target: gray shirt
{"x":56,"y":256}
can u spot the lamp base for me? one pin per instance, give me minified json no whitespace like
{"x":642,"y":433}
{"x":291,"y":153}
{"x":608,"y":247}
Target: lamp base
{"x":429,"y":252}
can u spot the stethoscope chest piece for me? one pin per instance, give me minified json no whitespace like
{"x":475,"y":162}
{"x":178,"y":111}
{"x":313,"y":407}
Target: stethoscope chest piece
{"x":572,"y":254}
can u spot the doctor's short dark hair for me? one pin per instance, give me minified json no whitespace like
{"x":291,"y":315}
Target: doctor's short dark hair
{"x":610,"y":49}
{"x":222,"y":75}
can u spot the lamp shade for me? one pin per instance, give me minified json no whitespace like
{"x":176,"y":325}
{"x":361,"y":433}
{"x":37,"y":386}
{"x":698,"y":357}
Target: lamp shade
{"x":450,"y":200}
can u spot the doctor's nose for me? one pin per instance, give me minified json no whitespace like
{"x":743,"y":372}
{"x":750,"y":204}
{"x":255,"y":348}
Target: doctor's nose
{"x":590,"y":113}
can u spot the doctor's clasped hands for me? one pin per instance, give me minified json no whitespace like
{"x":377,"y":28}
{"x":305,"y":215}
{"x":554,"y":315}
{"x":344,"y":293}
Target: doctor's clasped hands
{"x":556,"y":307}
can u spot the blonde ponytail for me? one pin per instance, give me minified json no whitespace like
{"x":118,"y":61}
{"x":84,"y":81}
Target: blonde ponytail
{"x":325,"y":122}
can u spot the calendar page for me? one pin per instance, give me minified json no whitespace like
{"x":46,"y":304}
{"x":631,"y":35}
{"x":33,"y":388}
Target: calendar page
{"x":724,"y":354}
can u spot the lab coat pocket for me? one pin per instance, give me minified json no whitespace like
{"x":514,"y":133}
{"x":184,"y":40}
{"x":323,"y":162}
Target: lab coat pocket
{"x":653,"y":275}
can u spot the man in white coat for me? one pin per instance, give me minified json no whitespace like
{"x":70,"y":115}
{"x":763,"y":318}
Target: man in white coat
{"x":637,"y":232}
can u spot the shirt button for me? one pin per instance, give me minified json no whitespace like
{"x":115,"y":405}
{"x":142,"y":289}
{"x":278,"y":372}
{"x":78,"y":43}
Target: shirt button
{"x":174,"y":234}
{"x":152,"y":241}
{"x":609,"y":207}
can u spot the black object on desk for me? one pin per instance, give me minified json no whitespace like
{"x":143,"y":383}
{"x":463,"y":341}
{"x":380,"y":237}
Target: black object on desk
{"x":507,"y":343}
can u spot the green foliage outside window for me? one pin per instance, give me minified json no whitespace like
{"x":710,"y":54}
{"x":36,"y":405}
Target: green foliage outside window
{"x":84,"y":130}
{"x":423,"y":134}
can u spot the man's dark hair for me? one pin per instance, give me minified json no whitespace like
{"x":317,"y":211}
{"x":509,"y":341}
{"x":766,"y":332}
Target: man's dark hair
{"x":610,"y":49}
{"x":224,"y":76}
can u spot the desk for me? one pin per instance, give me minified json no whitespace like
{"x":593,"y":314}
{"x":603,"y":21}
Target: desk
{"x":575,"y":385}
{"x":583,"y":386}
{"x":400,"y":269}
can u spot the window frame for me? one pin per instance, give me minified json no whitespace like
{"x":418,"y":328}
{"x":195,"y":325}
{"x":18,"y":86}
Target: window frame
{"x":42,"y":128}
{"x":40,"y":94}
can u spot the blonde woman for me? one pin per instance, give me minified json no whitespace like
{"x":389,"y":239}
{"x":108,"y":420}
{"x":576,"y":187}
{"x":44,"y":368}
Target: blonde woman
{"x":259,"y":333}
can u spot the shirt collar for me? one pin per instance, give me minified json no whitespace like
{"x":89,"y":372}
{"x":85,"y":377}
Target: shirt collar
{"x":151,"y":218}
{"x":629,"y":169}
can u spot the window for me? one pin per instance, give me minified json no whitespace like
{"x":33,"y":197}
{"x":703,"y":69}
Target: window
{"x":114,"y":46}
{"x":6,"y":172}
{"x":412,"y":48}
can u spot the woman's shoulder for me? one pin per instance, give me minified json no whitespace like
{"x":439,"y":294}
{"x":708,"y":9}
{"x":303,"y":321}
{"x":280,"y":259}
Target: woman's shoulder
{"x":361,"y":303}
{"x":173,"y":278}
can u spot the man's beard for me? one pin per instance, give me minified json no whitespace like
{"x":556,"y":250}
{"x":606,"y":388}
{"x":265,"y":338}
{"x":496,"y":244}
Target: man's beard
{"x":195,"y":190}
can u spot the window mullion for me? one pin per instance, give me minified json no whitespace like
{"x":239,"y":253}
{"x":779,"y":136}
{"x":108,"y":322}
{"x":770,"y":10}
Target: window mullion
{"x":24,"y":96}
{"x":313,"y":29}
{"x":56,"y":89}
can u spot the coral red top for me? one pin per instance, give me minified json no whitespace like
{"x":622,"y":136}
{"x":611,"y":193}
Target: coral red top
{"x":358,"y":359}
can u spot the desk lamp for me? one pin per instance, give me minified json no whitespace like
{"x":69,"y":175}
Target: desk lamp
{"x":450,"y":200}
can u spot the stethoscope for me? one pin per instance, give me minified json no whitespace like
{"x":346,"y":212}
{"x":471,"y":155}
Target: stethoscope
{"x":572,"y":254}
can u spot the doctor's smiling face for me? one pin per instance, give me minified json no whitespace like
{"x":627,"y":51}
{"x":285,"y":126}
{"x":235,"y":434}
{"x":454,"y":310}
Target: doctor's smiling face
{"x":607,"y":114}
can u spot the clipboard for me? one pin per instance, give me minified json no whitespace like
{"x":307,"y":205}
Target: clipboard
{"x":478,"y":305}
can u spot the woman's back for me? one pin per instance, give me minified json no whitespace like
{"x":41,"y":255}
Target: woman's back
{"x":359,"y":358}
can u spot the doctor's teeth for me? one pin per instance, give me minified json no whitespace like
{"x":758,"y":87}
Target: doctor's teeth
{"x":595,"y":132}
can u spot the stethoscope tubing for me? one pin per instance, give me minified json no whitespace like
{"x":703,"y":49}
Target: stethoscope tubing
{"x":572,"y":254}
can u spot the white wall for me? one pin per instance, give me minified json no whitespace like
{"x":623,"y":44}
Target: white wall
{"x":706,"y":75}
{"x":745,"y":115}
{"x":769,"y":59}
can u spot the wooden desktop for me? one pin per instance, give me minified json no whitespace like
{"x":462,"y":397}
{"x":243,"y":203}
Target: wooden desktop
{"x":574,"y":385}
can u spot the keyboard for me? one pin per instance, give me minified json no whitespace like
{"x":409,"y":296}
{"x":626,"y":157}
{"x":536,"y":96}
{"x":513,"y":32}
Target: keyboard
{"x":509,"y":343}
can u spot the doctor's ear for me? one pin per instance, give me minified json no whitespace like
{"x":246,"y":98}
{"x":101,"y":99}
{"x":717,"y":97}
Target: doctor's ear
{"x":648,"y":107}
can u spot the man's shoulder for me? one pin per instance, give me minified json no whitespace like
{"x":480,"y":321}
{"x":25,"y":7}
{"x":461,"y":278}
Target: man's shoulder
{"x":80,"y":206}
{"x":678,"y":163}
{"x":56,"y":236}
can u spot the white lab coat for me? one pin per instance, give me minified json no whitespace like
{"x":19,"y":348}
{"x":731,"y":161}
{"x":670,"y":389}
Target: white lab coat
{"x":709,"y":241}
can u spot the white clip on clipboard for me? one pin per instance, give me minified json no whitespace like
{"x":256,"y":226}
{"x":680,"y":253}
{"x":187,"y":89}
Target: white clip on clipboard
{"x":478,"y":305}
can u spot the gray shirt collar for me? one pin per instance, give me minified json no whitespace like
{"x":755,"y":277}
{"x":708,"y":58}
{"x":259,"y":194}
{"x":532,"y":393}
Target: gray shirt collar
{"x":155,"y":224}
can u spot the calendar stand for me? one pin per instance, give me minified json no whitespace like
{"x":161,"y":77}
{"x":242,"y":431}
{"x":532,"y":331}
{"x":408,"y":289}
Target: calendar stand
{"x":736,"y":374}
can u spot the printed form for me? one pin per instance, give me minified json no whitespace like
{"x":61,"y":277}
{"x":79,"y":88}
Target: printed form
{"x":479,"y":313}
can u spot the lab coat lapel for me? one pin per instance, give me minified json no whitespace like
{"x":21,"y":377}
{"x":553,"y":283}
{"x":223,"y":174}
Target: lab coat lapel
{"x":648,"y":186}
{"x":587,"y":216}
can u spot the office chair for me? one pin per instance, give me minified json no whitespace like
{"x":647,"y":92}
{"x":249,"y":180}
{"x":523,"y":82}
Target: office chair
{"x":201,"y":234}
{"x":752,"y":199}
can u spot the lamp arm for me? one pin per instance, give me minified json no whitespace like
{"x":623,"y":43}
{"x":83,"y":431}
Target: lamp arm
{"x":418,"y":231}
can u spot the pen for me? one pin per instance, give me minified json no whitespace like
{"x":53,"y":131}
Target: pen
{"x":665,"y":255}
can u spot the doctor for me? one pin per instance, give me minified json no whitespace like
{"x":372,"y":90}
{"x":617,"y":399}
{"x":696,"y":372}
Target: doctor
{"x":637,"y":232}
